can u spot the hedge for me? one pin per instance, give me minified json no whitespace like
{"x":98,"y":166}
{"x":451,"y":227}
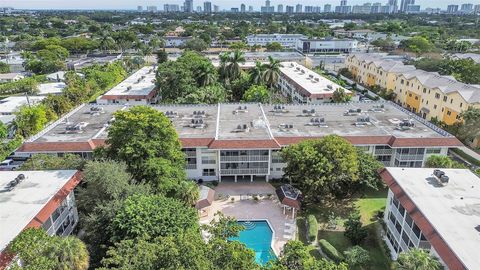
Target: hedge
{"x":330,"y":251}
{"x":312,"y":228}
{"x":466,"y":156}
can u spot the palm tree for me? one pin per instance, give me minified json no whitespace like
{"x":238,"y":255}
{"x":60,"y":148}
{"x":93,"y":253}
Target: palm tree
{"x":272,"y":71}
{"x":106,"y":42}
{"x":205,"y":75}
{"x":257,"y":73}
{"x":417,"y":259}
{"x":188,"y":192}
{"x":72,"y":254}
{"x":235,"y":59}
{"x":223,"y":66}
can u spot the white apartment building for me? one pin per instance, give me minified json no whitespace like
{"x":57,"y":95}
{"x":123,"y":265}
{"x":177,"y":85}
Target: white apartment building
{"x":435,"y":210}
{"x":303,"y":85}
{"x":242,"y":141}
{"x":138,"y":89}
{"x":175,"y":41}
{"x":286,"y":40}
{"x":36,"y":199}
{"x":9,"y":105}
{"x":312,"y":46}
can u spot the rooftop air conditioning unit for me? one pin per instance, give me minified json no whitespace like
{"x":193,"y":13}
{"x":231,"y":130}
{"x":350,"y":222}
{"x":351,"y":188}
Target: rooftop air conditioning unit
{"x":12,"y":184}
{"x":352,"y":112}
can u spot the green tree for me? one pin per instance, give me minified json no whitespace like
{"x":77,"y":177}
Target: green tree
{"x":470,"y":129}
{"x":234,"y":61}
{"x":368,"y":167}
{"x":210,"y":94}
{"x":340,"y":96}
{"x":257,"y":73}
{"x":354,"y":230}
{"x":147,"y":142}
{"x":257,"y":93}
{"x":274,"y":47}
{"x":148,"y":216}
{"x":196,"y":44}
{"x":238,"y":45}
{"x":223,"y":227}
{"x":37,"y":250}
{"x":322,"y":167}
{"x":3,"y":131}
{"x":272,"y":72}
{"x":30,"y":120}
{"x":162,"y":56}
{"x":417,"y":259}
{"x":50,"y":162}
{"x":206,"y":75}
{"x":357,"y":256}
{"x":4,"y":68}
{"x":418,"y":45}
{"x":437,"y":161}
{"x":60,"y":104}
{"x":175,"y":79}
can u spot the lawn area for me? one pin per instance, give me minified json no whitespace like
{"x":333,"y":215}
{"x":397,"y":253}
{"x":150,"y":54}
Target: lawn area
{"x":368,"y":206}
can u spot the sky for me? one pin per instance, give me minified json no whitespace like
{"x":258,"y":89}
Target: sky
{"x":132,"y":4}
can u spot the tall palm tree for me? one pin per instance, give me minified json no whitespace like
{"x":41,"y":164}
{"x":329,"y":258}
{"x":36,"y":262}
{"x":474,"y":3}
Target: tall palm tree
{"x":107,"y":43}
{"x":257,"y":73}
{"x":222,"y":70}
{"x":272,"y":71}
{"x":235,"y":59}
{"x":417,"y":259}
{"x":205,"y":75}
{"x":72,"y":254}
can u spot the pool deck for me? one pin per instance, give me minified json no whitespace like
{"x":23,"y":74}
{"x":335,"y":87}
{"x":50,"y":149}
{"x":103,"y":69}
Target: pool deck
{"x":245,"y":208}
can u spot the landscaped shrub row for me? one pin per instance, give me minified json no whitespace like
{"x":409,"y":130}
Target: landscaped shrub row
{"x":330,"y":251}
{"x":466,"y":156}
{"x":312,"y":228}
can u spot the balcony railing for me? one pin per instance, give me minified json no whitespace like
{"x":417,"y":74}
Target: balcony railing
{"x":243,"y":158}
{"x":410,"y":157}
{"x":382,"y":152}
{"x":191,"y":166}
{"x":244,"y":171}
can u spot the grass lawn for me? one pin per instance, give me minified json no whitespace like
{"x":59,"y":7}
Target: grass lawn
{"x":368,"y":207}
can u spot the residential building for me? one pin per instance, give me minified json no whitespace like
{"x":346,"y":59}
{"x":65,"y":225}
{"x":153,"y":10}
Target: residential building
{"x":298,"y":8}
{"x":326,"y":45}
{"x":198,"y":9}
{"x":466,"y":8}
{"x":9,"y":105}
{"x":175,"y":41}
{"x":452,"y":9}
{"x":366,"y":8}
{"x":14,"y":61}
{"x":286,"y":40}
{"x":393,"y":6}
{"x":473,"y":56}
{"x":36,"y":199}
{"x":313,"y":9}
{"x":171,"y":8}
{"x":267,"y":8}
{"x":139,"y":8}
{"x":289,"y":9}
{"x":243,"y":8}
{"x":343,"y":8}
{"x":53,"y":88}
{"x":234,"y":10}
{"x":242,"y":141}
{"x":427,"y":94}
{"x":434,"y":210}
{"x":138,"y":89}
{"x":152,"y":8}
{"x":327,"y":8}
{"x":476,"y":9}
{"x":412,"y":9}
{"x":207,"y":7}
{"x":303,"y":85}
{"x":280,"y":8}
{"x":404,"y":5}
{"x":368,"y":35}
{"x":188,"y":6}
{"x":250,"y":8}
{"x":10,"y":77}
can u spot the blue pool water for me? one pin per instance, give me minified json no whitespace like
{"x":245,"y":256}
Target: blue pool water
{"x":257,"y":236}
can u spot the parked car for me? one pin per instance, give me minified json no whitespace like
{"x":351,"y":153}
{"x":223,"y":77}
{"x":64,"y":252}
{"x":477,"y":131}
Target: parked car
{"x":9,"y":164}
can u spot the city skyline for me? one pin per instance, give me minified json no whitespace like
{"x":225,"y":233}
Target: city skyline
{"x":224,"y":4}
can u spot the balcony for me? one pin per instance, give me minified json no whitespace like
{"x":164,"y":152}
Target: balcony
{"x":383,"y":152}
{"x":243,"y":158}
{"x":410,"y":157}
{"x":191,"y":167}
{"x":253,"y":171}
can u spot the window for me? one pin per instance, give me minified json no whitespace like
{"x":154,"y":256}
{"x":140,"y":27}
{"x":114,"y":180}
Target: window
{"x":434,"y":151}
{"x":424,"y":90}
{"x":445,"y":98}
{"x":461,"y":104}
{"x":208,"y":160}
{"x":437,"y":95}
{"x":208,"y":172}
{"x":449,"y":113}
{"x":416,"y":230}
{"x":435,"y":106}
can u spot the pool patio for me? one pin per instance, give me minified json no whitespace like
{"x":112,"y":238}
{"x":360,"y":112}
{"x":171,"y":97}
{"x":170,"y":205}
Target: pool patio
{"x":244,"y":207}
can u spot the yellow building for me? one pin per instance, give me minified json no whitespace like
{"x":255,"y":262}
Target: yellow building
{"x":427,"y":94}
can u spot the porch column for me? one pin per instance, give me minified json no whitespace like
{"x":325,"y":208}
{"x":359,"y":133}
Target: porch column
{"x":235,"y":178}
{"x":266,"y":178}
{"x":251,"y":178}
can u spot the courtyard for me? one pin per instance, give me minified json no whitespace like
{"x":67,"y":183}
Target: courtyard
{"x":254,"y":201}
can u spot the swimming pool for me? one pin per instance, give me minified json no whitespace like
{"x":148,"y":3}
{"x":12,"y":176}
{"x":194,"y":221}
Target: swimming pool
{"x":257,"y":236}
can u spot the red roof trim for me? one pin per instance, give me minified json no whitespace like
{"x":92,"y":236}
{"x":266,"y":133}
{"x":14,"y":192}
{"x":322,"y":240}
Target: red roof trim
{"x":149,"y":96}
{"x":435,"y":239}
{"x":244,"y":144}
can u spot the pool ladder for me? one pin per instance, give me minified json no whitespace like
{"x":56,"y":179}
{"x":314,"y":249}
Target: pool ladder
{"x":248,"y":225}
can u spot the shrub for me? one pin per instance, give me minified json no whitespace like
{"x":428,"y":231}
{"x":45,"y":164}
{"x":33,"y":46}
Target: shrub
{"x":330,"y":250}
{"x":312,"y":228}
{"x":354,"y":229}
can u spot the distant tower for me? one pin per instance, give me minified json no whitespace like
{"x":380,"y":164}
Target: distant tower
{"x":243,"y":8}
{"x":280,"y":8}
{"x":207,"y":7}
{"x":188,"y":6}
{"x":343,"y":3}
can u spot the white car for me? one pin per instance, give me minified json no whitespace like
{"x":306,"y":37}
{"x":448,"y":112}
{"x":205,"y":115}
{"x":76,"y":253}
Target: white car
{"x":9,"y":164}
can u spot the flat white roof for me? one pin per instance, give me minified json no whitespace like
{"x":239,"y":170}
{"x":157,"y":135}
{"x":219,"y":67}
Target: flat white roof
{"x":11,"y":104}
{"x":19,"y":206}
{"x":453,"y":210}
{"x":10,"y":76}
{"x":51,"y":88}
{"x":140,"y":83}
{"x":309,"y":80}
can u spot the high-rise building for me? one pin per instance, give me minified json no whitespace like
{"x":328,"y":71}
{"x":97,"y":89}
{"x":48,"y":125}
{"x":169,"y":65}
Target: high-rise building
{"x":327,"y":8}
{"x":152,"y":8}
{"x":267,"y":8}
{"x":343,"y":2}
{"x":476,"y":9}
{"x":280,"y":8}
{"x":188,"y":6}
{"x":289,"y":9}
{"x":466,"y":8}
{"x":250,"y":8}
{"x":404,"y":4}
{"x":343,"y":8}
{"x":393,"y":6}
{"x":412,"y":9}
{"x":451,"y":9}
{"x":376,"y":8}
{"x":362,"y":9}
{"x":171,"y":8}
{"x":216,"y":8}
{"x":298,"y":8}
{"x":207,"y":7}
{"x":243,"y":8}
{"x":234,"y":10}
{"x":139,"y":8}
{"x":198,"y":9}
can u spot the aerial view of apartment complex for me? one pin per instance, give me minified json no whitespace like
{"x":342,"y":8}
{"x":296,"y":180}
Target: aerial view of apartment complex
{"x":239,"y":135}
